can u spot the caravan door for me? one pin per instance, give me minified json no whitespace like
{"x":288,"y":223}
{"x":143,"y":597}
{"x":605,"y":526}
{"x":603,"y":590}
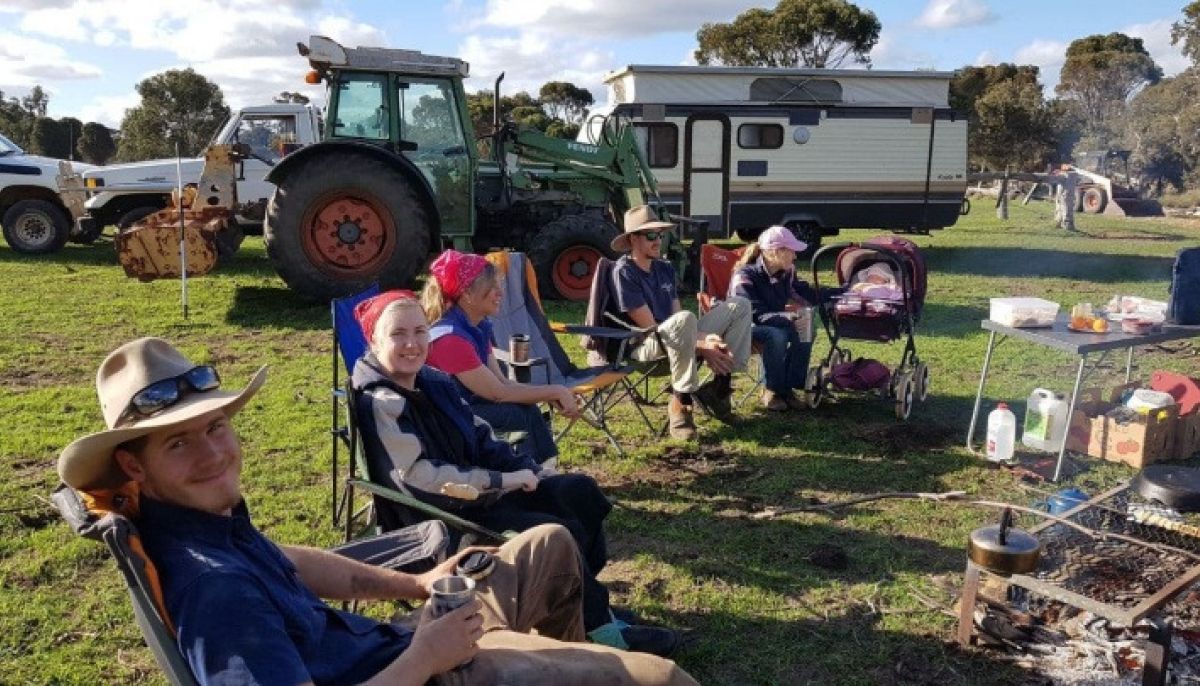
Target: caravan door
{"x":706,"y":171}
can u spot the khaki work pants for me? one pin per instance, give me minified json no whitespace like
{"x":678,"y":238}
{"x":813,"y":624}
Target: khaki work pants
{"x":537,"y":586}
{"x":677,"y":335}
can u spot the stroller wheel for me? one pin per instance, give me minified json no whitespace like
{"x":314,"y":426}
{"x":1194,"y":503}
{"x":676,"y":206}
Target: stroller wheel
{"x":813,"y":388}
{"x":921,"y":376}
{"x":904,"y":396}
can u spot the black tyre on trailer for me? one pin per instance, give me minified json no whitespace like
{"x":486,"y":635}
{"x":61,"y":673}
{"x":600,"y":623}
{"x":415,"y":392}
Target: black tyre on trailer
{"x":565,"y":250}
{"x":340,"y":220}
{"x":36,"y":227}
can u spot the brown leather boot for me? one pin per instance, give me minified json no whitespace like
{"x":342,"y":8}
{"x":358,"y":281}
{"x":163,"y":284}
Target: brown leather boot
{"x":681,"y":425}
{"x":773,"y":401}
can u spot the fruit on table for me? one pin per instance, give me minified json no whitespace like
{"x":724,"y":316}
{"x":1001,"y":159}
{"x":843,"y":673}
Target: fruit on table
{"x":1099,"y":325}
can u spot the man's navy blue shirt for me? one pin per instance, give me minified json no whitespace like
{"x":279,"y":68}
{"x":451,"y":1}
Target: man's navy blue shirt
{"x":242,"y":614}
{"x":655,"y":289}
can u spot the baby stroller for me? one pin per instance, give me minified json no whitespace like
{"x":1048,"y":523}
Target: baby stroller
{"x":882,"y":292}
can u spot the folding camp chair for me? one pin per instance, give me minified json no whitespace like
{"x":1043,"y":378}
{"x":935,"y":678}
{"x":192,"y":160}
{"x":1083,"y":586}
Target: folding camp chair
{"x":600,"y":388}
{"x":107,"y":516}
{"x":390,"y":508}
{"x":603,"y":312}
{"x":349,"y":342}
{"x":717,"y":266}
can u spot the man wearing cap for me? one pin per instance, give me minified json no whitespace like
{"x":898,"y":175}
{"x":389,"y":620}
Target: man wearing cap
{"x":246,"y":611}
{"x":646,"y":294}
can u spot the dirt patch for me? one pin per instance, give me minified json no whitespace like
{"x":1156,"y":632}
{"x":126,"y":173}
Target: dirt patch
{"x":25,"y":379}
{"x":895,"y":440}
{"x":828,"y":556}
{"x":681,"y":465}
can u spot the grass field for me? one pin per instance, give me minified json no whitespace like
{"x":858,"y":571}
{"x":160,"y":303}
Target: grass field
{"x":684,"y":550}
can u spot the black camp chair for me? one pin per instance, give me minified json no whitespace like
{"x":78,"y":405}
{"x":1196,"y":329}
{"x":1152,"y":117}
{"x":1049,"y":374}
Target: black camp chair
{"x":103,"y":517}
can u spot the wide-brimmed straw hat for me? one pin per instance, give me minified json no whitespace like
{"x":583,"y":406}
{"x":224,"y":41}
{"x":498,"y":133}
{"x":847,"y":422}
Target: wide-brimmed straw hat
{"x":637,"y":220}
{"x":87,"y":463}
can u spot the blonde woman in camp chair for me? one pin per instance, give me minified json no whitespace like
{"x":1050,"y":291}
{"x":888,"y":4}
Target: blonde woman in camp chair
{"x":420,"y":435}
{"x":463,"y":290}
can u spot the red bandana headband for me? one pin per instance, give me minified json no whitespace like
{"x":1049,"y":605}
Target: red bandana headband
{"x":368,"y":312}
{"x":455,"y":271}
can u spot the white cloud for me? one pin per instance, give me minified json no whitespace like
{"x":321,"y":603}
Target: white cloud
{"x":530,"y":60}
{"x":985,"y":58}
{"x":1048,"y":55}
{"x":26,"y":61}
{"x":610,"y":18}
{"x":108,"y":109}
{"x":889,"y":53}
{"x":946,"y":14}
{"x":1156,"y":36}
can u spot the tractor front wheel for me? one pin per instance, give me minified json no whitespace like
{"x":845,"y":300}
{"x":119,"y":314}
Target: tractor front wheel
{"x":565,"y":252}
{"x":342,"y":222}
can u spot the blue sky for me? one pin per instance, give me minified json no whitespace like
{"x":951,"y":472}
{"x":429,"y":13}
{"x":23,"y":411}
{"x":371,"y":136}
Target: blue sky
{"x":89,"y":54}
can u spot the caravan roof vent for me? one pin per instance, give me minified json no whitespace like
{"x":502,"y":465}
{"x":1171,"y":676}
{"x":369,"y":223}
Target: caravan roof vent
{"x":795,"y":89}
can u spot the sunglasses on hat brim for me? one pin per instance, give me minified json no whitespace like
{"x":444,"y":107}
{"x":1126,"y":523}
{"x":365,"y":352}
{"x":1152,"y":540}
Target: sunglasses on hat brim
{"x":164,"y":393}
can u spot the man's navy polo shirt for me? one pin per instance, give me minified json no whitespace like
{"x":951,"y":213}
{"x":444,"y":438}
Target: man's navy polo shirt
{"x":655,"y":289}
{"x":241,"y":613}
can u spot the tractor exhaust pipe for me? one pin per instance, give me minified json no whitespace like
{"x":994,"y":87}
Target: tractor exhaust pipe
{"x":496,"y":103}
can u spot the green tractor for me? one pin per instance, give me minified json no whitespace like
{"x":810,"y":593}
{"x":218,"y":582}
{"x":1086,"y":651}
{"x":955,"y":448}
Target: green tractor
{"x":397,"y":178}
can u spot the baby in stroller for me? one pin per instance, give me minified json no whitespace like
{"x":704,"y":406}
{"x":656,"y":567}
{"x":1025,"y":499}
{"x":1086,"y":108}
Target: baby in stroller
{"x":885,"y":282}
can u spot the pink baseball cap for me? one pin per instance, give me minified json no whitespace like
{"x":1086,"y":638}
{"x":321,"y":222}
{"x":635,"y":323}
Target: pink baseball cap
{"x":780,"y":237}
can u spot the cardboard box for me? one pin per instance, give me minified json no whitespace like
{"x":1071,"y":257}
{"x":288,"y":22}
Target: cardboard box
{"x":1137,"y":442}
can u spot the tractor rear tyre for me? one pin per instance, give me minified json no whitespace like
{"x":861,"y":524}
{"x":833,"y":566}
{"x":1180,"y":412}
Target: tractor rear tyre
{"x":564,"y":253}
{"x":341,"y":222}
{"x":36,"y":227}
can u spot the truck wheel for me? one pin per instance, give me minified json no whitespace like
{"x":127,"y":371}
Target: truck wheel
{"x":128,"y":219}
{"x":341,"y":222}
{"x":810,"y":233}
{"x":565,"y":252}
{"x":228,"y":242}
{"x":1094,"y":199}
{"x":36,"y":227}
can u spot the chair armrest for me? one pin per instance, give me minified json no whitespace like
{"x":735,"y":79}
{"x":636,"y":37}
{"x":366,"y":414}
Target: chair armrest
{"x":599,"y":331}
{"x":428,"y":510}
{"x":503,"y":357}
{"x":626,"y":325}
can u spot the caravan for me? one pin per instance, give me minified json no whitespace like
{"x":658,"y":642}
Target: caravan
{"x":815,"y":149}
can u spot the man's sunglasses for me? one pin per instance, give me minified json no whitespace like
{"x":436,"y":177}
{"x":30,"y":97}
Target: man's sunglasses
{"x":652,"y":235}
{"x":162,"y":394}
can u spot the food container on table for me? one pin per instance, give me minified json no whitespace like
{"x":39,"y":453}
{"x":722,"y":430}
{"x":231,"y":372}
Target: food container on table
{"x":1023,"y":312}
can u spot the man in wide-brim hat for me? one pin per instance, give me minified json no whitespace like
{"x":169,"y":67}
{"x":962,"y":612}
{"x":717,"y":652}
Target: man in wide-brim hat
{"x":247,"y":611}
{"x":645,"y":289}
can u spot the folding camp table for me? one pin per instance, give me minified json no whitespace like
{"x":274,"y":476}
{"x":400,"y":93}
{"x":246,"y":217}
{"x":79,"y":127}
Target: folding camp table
{"x":1082,"y":345}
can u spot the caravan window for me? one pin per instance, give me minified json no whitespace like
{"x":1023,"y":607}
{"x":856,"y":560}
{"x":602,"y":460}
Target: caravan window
{"x":660,"y":144}
{"x":760,"y":136}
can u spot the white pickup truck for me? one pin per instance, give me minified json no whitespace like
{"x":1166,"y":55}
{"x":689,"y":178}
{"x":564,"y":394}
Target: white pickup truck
{"x":34,"y":217}
{"x":124,"y":193}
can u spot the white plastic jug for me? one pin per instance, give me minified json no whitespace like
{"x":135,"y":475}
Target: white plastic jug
{"x":1001,"y":434}
{"x":1045,"y":420}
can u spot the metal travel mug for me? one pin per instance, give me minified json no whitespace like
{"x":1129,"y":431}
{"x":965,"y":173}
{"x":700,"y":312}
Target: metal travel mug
{"x":450,"y":593}
{"x":518,"y":348}
{"x":804,"y":324}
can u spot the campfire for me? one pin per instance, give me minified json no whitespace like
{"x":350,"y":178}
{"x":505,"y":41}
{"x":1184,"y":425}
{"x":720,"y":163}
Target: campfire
{"x":1114,"y":597}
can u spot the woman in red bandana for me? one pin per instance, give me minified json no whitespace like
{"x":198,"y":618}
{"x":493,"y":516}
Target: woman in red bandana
{"x":462,"y":292}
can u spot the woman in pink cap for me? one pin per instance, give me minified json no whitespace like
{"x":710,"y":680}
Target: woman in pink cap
{"x":766,"y":276}
{"x":462,"y":292}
